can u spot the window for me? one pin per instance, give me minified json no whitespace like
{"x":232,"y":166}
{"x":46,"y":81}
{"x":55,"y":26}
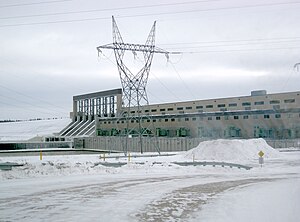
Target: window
{"x":104,"y":122}
{"x":235,"y":117}
{"x":218,"y":118}
{"x":267,"y":116}
{"x":189,"y":107}
{"x":154,"y":120}
{"x":148,"y":120}
{"x":245,"y":117}
{"x":274,"y":102}
{"x":246,"y":104}
{"x":170,"y":109}
{"x":166,"y":120}
{"x":223,"y":109}
{"x":221,"y":105}
{"x":161,"y":110}
{"x":132,"y":111}
{"x":199,"y":107}
{"x":179,"y":108}
{"x":153,"y":110}
{"x":146,"y":111}
{"x":122,"y":121}
{"x":289,"y":100}
{"x":232,"y":104}
{"x":209,"y":106}
{"x":186,"y":119}
{"x":132,"y":121}
{"x":209,"y":118}
{"x":259,"y":103}
{"x":277,"y":116}
{"x":194,"y":118}
{"x":181,"y":112}
{"x":172,"y":120}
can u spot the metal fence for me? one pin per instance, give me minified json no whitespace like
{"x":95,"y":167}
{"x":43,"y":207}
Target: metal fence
{"x":164,"y":144}
{"x":284,"y":143}
{"x":149,"y":144}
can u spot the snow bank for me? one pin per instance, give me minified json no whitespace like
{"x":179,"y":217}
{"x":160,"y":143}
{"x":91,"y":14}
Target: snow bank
{"x":16,"y":131}
{"x":231,"y":150}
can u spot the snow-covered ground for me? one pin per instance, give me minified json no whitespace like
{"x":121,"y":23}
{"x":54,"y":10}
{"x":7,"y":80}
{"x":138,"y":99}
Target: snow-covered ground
{"x":79,"y":188}
{"x":24,"y":130}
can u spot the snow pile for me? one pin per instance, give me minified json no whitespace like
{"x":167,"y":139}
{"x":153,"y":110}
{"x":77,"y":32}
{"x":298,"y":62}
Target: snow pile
{"x":231,"y":150}
{"x":16,"y":131}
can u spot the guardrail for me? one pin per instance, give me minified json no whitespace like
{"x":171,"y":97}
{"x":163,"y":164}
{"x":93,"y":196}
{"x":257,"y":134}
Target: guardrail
{"x":212,"y":163}
{"x":204,"y":163}
{"x":9,"y":165}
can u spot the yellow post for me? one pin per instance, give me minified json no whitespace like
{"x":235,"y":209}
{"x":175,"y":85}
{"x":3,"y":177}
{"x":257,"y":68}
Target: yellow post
{"x":41,"y":155}
{"x":103,"y":156}
{"x":128,"y":157}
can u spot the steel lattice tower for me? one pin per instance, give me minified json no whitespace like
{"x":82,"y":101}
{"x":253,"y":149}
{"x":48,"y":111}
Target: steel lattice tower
{"x":134,"y":85}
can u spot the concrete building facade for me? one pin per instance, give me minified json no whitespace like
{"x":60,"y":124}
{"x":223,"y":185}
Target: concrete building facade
{"x":259,"y":115}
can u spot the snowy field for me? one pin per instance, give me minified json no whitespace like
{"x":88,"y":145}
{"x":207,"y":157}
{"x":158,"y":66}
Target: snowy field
{"x":16,"y":131}
{"x":79,"y":188}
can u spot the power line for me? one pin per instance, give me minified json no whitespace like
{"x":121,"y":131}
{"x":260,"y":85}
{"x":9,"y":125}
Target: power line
{"x":226,"y":45}
{"x":252,"y":41}
{"x":33,"y":3}
{"x":107,"y":9}
{"x":173,"y":94}
{"x":13,"y":105}
{"x":33,"y":105}
{"x":31,"y":97}
{"x":183,"y":82}
{"x":238,"y":50}
{"x":152,"y":74}
{"x":150,"y":14}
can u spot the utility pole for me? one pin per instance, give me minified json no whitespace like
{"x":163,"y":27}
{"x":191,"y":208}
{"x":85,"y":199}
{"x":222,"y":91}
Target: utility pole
{"x":139,"y":124}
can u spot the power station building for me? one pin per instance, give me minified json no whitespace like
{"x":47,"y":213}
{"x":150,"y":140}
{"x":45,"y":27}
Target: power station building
{"x":259,"y":115}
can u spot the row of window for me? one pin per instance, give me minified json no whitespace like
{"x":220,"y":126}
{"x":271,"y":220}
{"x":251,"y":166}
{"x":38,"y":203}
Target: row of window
{"x":210,"y":106}
{"x":236,"y":117}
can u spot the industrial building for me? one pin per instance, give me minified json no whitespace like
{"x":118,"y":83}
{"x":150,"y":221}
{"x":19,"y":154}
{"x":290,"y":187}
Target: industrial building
{"x":259,"y":115}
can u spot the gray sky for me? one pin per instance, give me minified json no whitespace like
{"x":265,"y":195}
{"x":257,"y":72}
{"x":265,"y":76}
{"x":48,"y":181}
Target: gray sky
{"x":48,"y":50}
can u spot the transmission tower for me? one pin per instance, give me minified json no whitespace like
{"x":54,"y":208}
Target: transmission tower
{"x":134,"y":85}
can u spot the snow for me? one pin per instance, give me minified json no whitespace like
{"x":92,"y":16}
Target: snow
{"x":24,"y":130}
{"x":274,"y":202}
{"x":79,"y":188}
{"x":231,"y":150}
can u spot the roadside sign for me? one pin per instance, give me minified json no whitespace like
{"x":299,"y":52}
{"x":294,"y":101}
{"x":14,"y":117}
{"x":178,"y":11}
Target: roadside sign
{"x":261,"y":153}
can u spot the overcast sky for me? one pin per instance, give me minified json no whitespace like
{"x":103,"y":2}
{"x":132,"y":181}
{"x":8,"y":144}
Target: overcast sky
{"x":229,"y":48}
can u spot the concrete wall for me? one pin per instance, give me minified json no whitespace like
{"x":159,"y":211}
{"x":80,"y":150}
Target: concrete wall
{"x":165,"y":144}
{"x":149,"y":143}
